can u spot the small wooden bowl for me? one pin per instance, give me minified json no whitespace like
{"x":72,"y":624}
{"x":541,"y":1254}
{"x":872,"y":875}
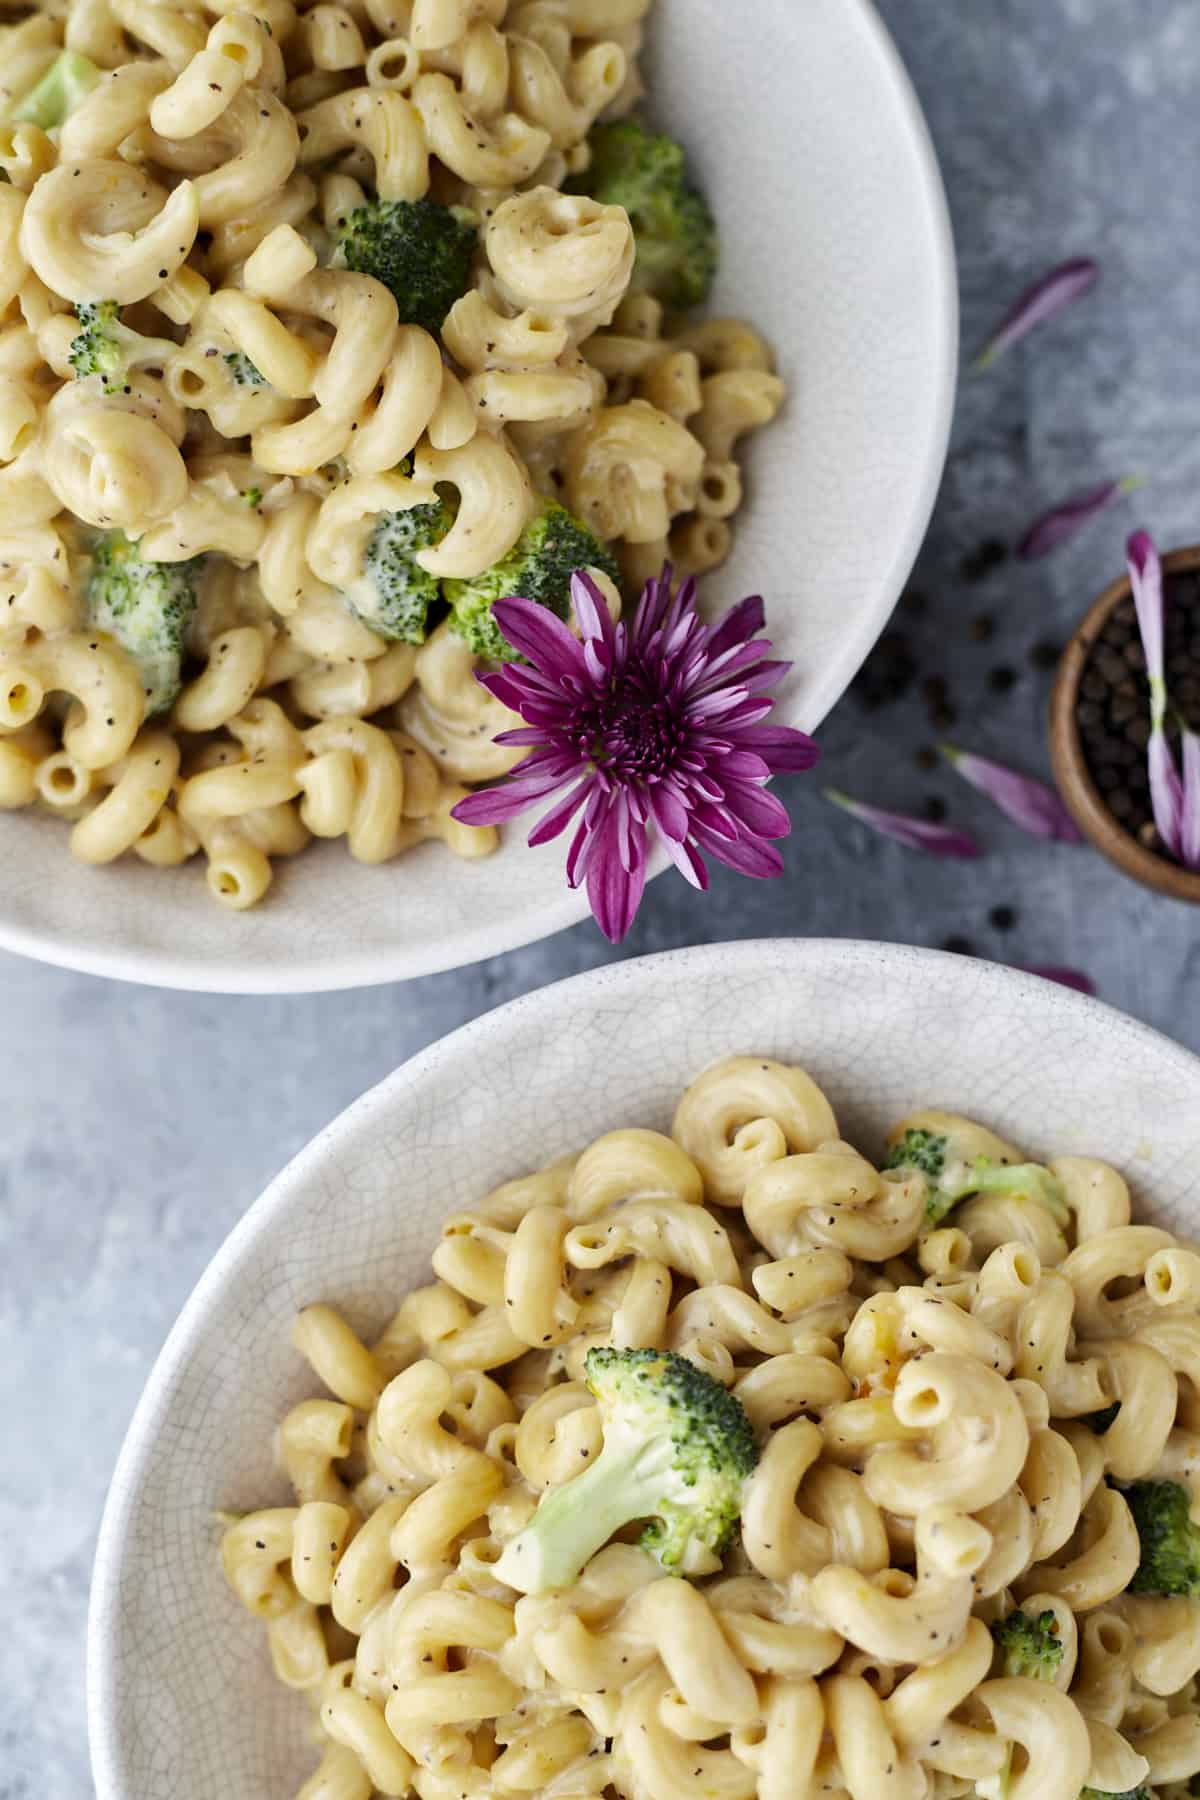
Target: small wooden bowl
{"x":1075,"y":783}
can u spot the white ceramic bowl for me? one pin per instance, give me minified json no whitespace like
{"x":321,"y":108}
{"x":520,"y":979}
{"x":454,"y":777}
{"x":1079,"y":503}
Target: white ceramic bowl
{"x":837,"y":244}
{"x":182,"y":1702}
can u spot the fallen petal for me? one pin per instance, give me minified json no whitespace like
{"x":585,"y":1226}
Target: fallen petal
{"x":917,"y":834}
{"x":1044,"y":300}
{"x":1062,"y":522}
{"x":1029,"y":803}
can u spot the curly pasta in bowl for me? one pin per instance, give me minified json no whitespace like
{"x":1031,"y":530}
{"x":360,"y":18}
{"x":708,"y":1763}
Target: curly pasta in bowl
{"x":719,"y":1417}
{"x":324,"y":326}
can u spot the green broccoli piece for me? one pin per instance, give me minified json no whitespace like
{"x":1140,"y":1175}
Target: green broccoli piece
{"x":1029,"y":1645}
{"x":104,"y":347}
{"x":1142,"y":1793}
{"x":677,"y":1449}
{"x":538,"y":567}
{"x":68,"y":80}
{"x":243,"y":370}
{"x":252,"y":497}
{"x":922,"y":1150}
{"x":676,"y":235}
{"x":952,"y":1177}
{"x":419,"y":250}
{"x":395,"y":593}
{"x":1170,"y":1543}
{"x":146,"y":607}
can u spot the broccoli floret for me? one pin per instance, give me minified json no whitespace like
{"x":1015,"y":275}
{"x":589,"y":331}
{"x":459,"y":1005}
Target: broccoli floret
{"x":952,"y":1177}
{"x":646,"y":173}
{"x":921,"y":1150}
{"x":66,"y":82}
{"x":252,"y":497}
{"x":677,"y":1449}
{"x":104,"y":347}
{"x":1170,"y":1543}
{"x":146,"y":607}
{"x":1029,"y":1645}
{"x":243,"y":370}
{"x":538,"y":567}
{"x":1142,"y":1793}
{"x":395,"y":593}
{"x":419,"y":250}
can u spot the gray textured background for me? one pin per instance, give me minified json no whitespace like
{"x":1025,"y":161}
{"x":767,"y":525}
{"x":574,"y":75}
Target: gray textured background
{"x":139,"y":1125}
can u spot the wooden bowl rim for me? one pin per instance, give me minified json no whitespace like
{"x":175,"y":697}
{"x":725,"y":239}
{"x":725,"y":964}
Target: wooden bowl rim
{"x":1083,"y":799}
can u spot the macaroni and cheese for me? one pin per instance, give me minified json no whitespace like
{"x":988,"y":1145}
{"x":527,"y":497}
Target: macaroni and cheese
{"x":240,"y":485}
{"x":965,"y":1563}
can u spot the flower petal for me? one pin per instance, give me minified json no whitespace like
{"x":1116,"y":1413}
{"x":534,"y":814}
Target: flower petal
{"x":747,"y":855}
{"x":1031,"y":804}
{"x":669,"y":813}
{"x":538,"y":634}
{"x":1189,"y":830}
{"x":756,"y":809}
{"x":555,"y":822}
{"x":652,"y":607}
{"x":1062,"y":522}
{"x":1071,"y":978}
{"x":742,"y":621}
{"x":1146,"y":580}
{"x":1166,"y":791}
{"x":508,"y":685}
{"x":1044,"y":300}
{"x":525,"y":734}
{"x":917,"y":834}
{"x":689,"y":862}
{"x":615,"y":891}
{"x":591,"y":611}
{"x":578,"y":853}
{"x":491,"y":806}
{"x":786,"y":751}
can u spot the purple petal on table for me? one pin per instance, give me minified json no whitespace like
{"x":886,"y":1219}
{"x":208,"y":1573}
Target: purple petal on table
{"x":917,"y":834}
{"x":1166,"y":790}
{"x":1071,"y":978}
{"x":1029,"y":803}
{"x":1060,"y":524}
{"x":1044,"y":300}
{"x":1146,"y":580}
{"x":1189,"y":833}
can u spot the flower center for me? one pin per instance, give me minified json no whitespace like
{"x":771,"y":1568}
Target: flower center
{"x":633,"y":735}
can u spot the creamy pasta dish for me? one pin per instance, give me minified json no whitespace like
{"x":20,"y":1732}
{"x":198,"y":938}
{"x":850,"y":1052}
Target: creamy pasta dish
{"x":322,"y":327}
{"x":727,"y":1464}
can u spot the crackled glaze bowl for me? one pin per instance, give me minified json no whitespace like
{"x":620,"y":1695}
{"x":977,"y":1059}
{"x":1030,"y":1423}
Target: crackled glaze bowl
{"x":183,"y":1703}
{"x":837,"y":245}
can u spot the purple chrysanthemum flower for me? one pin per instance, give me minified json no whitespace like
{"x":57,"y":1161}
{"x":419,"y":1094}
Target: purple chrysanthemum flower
{"x":655,"y":723}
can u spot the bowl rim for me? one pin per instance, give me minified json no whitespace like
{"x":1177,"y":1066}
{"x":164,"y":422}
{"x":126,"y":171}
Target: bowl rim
{"x":477,"y":1038}
{"x":562,"y":906}
{"x":1071,"y":772}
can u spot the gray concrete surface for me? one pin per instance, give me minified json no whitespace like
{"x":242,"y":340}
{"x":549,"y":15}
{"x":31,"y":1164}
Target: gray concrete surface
{"x":137,"y":1126}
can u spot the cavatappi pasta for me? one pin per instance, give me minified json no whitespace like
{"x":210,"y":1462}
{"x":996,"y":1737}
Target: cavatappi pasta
{"x":922,"y":1391}
{"x":277,"y":410}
